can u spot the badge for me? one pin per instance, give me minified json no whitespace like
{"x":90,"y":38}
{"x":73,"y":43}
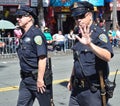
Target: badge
{"x":75,"y":5}
{"x":103,"y":38}
{"x":38,"y":40}
{"x":27,"y":39}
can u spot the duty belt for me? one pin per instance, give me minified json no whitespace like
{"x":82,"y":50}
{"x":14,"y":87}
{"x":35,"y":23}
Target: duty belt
{"x":83,"y":84}
{"x":26,"y":74}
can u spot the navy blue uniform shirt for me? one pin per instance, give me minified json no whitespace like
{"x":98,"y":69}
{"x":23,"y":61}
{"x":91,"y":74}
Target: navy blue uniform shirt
{"x":32,"y":46}
{"x":91,"y":64}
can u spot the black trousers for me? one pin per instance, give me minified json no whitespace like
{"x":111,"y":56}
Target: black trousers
{"x":28,"y":93}
{"x":85,"y":98}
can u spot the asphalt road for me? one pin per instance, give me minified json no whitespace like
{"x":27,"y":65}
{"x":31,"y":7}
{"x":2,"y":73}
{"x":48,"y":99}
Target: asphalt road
{"x":61,"y":65}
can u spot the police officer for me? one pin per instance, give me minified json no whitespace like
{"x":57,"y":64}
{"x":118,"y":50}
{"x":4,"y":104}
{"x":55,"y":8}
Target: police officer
{"x":32,"y":53}
{"x":92,"y":51}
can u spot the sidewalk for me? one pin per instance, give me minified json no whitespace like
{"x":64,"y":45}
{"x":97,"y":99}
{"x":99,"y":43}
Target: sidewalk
{"x":7,"y":57}
{"x":50,"y":53}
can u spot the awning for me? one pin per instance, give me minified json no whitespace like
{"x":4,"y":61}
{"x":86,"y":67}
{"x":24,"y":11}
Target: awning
{"x":70,"y":2}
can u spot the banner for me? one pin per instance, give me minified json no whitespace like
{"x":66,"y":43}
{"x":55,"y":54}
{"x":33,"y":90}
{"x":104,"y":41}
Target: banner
{"x":14,"y":2}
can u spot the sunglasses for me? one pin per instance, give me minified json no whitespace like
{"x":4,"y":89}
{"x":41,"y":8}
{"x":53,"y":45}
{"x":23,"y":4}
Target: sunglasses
{"x":20,"y":16}
{"x":79,"y":17}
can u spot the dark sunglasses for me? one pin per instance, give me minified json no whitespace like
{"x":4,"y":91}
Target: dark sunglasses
{"x":79,"y":17}
{"x":20,"y":16}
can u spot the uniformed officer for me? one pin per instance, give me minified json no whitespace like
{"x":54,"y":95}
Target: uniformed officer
{"x":92,"y":51}
{"x":32,"y":53}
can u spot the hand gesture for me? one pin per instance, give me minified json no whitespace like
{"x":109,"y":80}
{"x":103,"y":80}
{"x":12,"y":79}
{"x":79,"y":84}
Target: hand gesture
{"x":85,"y":32}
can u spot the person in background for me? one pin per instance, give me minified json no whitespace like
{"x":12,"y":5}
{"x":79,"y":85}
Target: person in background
{"x":71,"y":38}
{"x":114,"y":40}
{"x":118,"y":35}
{"x":58,"y":41}
{"x":92,"y":51}
{"x":48,"y":35}
{"x":18,"y":34}
{"x":32,"y":53}
{"x":9,"y":43}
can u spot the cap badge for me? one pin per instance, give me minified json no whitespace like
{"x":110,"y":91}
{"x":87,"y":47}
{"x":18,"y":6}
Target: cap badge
{"x":75,"y":5}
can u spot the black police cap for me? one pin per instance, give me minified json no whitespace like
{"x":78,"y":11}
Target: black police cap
{"x":24,"y":10}
{"x":82,"y":7}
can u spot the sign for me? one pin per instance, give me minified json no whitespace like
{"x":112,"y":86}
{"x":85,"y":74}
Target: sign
{"x":14,"y":2}
{"x":34,"y":3}
{"x":46,"y":3}
{"x":118,"y":5}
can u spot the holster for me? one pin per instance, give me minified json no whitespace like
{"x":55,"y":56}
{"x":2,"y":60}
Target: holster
{"x":83,"y":84}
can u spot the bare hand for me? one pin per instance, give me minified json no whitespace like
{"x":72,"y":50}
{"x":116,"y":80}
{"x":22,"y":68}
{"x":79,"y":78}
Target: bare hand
{"x":69,"y":86}
{"x":85,"y":31}
{"x":41,"y":86}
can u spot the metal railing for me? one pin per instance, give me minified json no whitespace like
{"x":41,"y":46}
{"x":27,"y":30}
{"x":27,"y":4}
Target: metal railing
{"x":8,"y":46}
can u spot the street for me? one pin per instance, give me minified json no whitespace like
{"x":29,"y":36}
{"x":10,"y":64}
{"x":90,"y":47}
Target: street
{"x":61,"y":66}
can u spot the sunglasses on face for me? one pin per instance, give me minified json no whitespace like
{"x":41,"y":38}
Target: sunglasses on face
{"x":79,"y":17}
{"x":20,"y":16}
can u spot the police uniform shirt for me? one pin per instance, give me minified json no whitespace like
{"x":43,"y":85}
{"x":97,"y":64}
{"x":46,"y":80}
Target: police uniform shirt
{"x":90,"y":62}
{"x":32,"y":46}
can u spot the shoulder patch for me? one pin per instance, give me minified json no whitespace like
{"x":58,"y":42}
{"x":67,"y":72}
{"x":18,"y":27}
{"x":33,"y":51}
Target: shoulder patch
{"x":103,"y":38}
{"x":38,"y":40}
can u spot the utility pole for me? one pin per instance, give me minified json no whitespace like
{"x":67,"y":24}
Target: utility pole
{"x":114,"y":14}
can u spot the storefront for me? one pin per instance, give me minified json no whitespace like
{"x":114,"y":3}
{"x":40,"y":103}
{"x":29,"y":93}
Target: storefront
{"x":9,"y":7}
{"x":62,"y":15}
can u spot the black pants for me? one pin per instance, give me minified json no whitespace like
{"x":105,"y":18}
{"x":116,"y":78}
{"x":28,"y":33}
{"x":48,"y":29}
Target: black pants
{"x":85,"y":98}
{"x":28,"y":93}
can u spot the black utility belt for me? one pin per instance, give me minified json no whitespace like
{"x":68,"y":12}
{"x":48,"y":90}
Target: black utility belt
{"x":28,"y":74}
{"x":84,"y":84}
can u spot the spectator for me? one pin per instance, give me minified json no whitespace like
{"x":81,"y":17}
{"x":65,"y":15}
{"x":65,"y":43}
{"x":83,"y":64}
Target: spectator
{"x":18,"y":34}
{"x":114,"y":40}
{"x":2,"y":45}
{"x":118,"y":35}
{"x":58,"y":41}
{"x":48,"y":35}
{"x":9,"y":43}
{"x":71,"y":38}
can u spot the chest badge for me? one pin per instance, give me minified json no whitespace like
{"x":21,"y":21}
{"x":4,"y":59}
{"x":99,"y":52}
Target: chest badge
{"x":38,"y":40}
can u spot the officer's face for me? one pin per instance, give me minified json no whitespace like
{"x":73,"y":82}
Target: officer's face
{"x":83,"y":20}
{"x":23,"y":20}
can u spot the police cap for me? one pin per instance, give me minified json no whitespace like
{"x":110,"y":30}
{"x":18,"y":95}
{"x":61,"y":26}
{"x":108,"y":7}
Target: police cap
{"x":25,"y":10}
{"x":82,"y":7}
